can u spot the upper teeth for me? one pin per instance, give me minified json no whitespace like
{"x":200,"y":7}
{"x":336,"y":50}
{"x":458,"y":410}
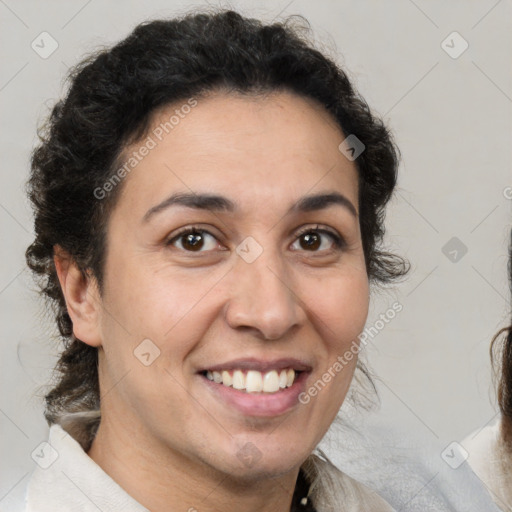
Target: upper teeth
{"x":254,"y":381}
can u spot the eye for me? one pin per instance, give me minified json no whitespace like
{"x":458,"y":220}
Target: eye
{"x":193,"y":240}
{"x":312,"y":240}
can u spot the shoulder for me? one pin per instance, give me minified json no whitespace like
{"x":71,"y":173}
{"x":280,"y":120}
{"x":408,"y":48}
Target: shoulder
{"x":491,"y":460}
{"x":482,"y":445}
{"x":330,"y":487}
{"x":66,"y":478}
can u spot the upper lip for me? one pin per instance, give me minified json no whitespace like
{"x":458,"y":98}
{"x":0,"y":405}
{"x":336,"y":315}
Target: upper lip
{"x":261,"y":365}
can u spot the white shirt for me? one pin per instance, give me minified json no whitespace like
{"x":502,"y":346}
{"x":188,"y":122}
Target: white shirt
{"x":492,"y":463}
{"x":66,"y":478}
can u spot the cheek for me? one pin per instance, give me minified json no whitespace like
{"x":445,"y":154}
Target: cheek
{"x":341,"y":308}
{"x":152,"y":300}
{"x":338,"y":308}
{"x":171,"y":309}
{"x":341,"y":304}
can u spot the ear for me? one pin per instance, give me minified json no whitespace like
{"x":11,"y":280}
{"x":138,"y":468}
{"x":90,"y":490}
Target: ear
{"x":83,"y":300}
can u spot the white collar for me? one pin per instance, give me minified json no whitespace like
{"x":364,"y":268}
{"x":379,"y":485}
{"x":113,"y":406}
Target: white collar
{"x":67,"y":479}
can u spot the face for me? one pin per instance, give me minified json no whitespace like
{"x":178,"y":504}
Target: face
{"x":258,"y":280}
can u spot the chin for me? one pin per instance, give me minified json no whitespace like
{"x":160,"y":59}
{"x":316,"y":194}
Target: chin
{"x":260,"y":457}
{"x":262,"y":470}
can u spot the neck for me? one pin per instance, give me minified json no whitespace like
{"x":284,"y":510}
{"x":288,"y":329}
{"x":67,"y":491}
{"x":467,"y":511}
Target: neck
{"x":162,"y":479}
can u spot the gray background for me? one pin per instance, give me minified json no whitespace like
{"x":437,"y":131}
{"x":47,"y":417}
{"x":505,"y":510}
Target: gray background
{"x":452,"y":121}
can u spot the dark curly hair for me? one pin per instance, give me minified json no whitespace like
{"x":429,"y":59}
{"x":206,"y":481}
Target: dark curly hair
{"x":109,"y":104}
{"x":501,"y":356}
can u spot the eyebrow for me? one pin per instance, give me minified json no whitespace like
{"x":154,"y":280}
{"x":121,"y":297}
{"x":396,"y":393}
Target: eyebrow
{"x":216,"y":203}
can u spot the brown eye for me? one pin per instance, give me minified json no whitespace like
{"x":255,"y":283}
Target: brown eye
{"x":194,"y":240}
{"x":314,"y":240}
{"x":310,"y":241}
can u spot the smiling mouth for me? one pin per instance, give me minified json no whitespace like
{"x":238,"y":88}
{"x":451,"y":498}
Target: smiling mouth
{"x":253,"y":381}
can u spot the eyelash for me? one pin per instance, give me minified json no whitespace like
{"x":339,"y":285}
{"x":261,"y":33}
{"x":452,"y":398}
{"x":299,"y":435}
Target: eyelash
{"x":338,"y":241}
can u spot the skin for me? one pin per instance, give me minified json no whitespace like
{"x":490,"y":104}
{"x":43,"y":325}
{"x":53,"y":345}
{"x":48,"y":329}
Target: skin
{"x":163,"y":436}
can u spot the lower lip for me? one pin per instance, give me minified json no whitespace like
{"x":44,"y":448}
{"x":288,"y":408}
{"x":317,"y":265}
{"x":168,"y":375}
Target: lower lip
{"x":260,"y":404}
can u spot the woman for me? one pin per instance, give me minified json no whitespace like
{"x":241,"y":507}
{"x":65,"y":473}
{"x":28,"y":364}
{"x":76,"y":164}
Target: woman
{"x":490,"y":448}
{"x":209,"y":202}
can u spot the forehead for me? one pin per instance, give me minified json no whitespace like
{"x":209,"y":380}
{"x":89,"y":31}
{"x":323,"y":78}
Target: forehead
{"x":250,"y":148}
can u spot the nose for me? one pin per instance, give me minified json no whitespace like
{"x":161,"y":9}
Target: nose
{"x":263,"y":298}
